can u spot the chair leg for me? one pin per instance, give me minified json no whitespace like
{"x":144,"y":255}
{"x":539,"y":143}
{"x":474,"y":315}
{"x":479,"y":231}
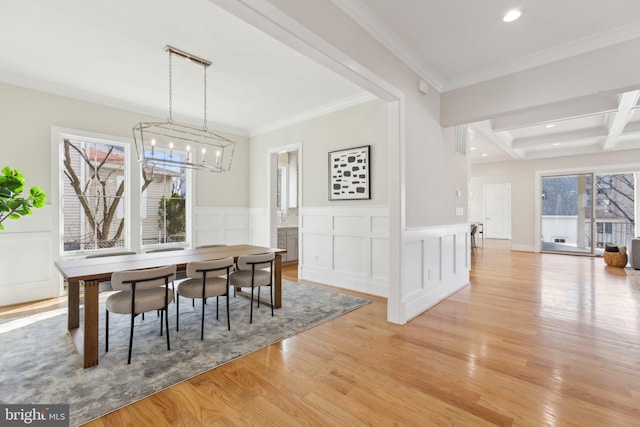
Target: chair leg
{"x":251,"y":312}
{"x":259,"y":296}
{"x":106,"y":335}
{"x":228,"y":317}
{"x":271,"y":295}
{"x":166,"y":324}
{"x":177,"y":312}
{"x":202,"y":322}
{"x":131,"y":338}
{"x":217,"y":318}
{"x":161,"y":320}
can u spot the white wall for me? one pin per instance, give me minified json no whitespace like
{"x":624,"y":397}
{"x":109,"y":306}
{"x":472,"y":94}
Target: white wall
{"x":364,"y":124}
{"x":424,"y":171}
{"x":524,"y":174}
{"x":342,"y":243}
{"x":26,"y":118}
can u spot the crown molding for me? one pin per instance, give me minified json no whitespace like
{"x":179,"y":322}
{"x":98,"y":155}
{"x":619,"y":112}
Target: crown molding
{"x":327,"y":109}
{"x":363,"y":16}
{"x":80,"y":95}
{"x":558,"y":53}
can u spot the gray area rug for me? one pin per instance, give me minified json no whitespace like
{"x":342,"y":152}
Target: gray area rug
{"x":40,"y":365}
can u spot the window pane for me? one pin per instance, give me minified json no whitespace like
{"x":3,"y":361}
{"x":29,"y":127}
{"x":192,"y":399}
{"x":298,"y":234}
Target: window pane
{"x":93,"y":206}
{"x":163,"y":205}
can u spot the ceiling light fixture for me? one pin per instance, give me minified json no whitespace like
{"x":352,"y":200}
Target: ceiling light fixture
{"x":484,"y":154}
{"x":472,"y":148}
{"x":176,"y":145}
{"x":555,"y":144}
{"x":550,"y":125}
{"x":512,"y":15}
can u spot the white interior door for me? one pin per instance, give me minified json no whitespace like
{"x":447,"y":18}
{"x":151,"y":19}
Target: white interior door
{"x":497,"y":211}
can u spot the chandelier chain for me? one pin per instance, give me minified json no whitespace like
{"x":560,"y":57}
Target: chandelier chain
{"x":205,"y":98}
{"x":170,"y":87}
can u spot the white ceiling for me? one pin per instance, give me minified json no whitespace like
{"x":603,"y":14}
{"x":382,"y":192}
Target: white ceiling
{"x":112,"y":53}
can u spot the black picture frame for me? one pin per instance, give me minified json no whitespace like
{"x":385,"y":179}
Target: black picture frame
{"x":350,"y":174}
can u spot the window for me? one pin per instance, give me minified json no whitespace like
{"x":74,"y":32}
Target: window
{"x":93,"y":195}
{"x":95,"y":187}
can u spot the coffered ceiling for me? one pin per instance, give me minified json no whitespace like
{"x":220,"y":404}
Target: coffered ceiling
{"x":457,"y":43}
{"x":112,"y":53}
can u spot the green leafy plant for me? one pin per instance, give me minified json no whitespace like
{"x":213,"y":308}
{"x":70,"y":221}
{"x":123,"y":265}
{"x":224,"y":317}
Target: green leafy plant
{"x":12,"y":204}
{"x":172,"y":211}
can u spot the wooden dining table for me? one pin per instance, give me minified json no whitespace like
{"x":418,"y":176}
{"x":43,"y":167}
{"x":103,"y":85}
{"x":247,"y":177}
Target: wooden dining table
{"x":92,"y":271}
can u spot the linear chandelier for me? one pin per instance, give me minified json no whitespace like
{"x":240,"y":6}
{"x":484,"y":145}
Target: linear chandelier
{"x":178,"y":145}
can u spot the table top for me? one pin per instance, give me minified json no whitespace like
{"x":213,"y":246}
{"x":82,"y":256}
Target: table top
{"x":102,"y":267}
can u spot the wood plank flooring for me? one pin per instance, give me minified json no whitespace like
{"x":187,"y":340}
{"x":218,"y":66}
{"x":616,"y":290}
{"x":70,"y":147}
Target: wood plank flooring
{"x":535,"y":340}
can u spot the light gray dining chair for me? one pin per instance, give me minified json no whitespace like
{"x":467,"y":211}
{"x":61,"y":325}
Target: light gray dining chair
{"x":254,"y":271}
{"x":140,"y":291}
{"x":180,"y":275}
{"x":205,"y":281}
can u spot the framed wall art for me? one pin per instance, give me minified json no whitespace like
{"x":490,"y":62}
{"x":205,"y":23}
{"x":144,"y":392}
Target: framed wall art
{"x":350,"y":174}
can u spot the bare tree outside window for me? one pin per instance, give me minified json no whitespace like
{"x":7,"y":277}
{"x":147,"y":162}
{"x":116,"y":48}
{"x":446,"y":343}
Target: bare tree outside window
{"x":614,"y":209}
{"x":93,"y":195}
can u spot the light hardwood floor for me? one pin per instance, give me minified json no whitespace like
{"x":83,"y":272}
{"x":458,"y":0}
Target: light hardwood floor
{"x":535,"y":340}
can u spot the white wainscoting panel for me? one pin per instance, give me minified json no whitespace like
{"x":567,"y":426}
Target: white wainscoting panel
{"x":259,"y":227}
{"x":346,"y":247}
{"x":221,"y":225}
{"x":435,"y":264}
{"x":27,"y":270}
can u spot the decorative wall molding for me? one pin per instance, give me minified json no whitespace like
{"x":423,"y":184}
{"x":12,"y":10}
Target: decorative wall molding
{"x":435,"y":264}
{"x":346,"y":247}
{"x":259,"y":229}
{"x":26,"y":251}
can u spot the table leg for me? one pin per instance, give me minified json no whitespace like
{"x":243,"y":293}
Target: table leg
{"x":73,"y":305}
{"x":91,"y":308}
{"x":278,"y":284}
{"x":84,"y":338}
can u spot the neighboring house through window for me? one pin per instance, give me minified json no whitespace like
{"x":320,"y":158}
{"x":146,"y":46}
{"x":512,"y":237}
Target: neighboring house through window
{"x":94,"y":192}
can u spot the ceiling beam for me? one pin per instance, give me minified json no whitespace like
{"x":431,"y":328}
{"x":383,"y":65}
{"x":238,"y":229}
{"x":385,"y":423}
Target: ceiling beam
{"x":485,"y":128}
{"x":543,"y":141}
{"x":628,"y":101}
{"x":557,"y":111}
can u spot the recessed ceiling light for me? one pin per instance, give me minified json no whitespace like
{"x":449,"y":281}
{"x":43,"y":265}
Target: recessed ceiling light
{"x":484,"y":154}
{"x":472,"y":148}
{"x":550,"y":125}
{"x":555,"y":144}
{"x":512,"y":15}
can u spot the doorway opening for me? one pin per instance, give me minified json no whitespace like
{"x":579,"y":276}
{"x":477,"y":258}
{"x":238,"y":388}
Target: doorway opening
{"x":285,"y":199}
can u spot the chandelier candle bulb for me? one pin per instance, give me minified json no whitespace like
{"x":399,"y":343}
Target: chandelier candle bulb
{"x":153,"y":146}
{"x":204,"y":150}
{"x":171,"y":149}
{"x":188,"y":153}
